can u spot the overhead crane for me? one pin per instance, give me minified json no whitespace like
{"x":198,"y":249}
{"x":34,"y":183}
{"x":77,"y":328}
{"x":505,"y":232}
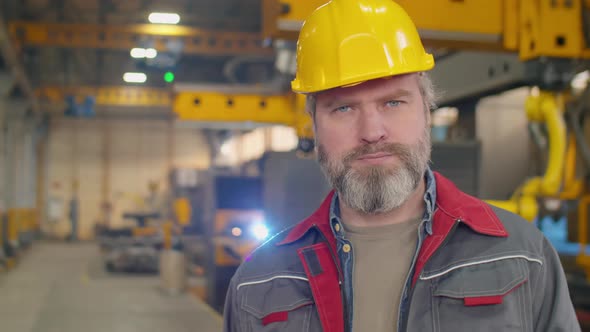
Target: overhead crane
{"x":108,"y":95}
{"x":213,"y":103}
{"x":171,"y":38}
{"x":531,"y":28}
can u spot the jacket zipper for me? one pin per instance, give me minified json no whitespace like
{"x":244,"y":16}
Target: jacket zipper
{"x":449,"y":235}
{"x":340,"y":277}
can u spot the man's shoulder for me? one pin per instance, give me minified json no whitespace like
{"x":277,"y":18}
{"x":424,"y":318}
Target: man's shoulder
{"x":271,"y":257}
{"x":522,"y":235}
{"x":517,"y":227}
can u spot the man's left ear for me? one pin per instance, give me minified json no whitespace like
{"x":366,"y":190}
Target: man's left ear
{"x":428,"y":115}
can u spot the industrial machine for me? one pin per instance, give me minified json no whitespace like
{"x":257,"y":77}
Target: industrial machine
{"x":234,"y":225}
{"x":172,"y":220}
{"x":134,"y":249}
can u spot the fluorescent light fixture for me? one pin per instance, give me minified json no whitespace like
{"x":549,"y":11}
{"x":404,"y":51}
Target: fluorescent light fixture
{"x":134,"y":77}
{"x":151,"y":53}
{"x":138,"y":53}
{"x":164,"y":18}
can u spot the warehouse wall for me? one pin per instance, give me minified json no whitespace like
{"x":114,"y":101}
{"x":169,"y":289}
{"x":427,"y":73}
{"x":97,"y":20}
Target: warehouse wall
{"x":501,"y":126}
{"x":17,"y":158}
{"x":116,"y":159}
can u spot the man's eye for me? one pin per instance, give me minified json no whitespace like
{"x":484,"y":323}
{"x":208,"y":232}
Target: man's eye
{"x":393,"y":103}
{"x":342,"y":109}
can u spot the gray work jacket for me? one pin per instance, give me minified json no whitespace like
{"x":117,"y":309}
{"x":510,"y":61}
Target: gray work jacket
{"x":480,"y":269}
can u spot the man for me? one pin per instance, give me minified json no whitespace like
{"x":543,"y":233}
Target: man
{"x":395,"y":246}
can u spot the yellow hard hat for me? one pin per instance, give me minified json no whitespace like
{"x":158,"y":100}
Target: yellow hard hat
{"x":346,"y":42}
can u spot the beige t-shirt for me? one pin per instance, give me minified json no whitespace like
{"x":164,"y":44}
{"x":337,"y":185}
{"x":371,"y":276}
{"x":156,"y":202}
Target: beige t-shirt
{"x":382,"y":258}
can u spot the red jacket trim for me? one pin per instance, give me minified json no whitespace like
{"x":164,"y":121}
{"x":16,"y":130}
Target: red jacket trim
{"x":323,"y":279}
{"x":319,"y":218}
{"x":275,"y":317}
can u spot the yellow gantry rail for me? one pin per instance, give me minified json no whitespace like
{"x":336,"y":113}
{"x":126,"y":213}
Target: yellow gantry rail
{"x":125,"y":37}
{"x":287,"y":109}
{"x":206,"y":106}
{"x":109,"y":96}
{"x":532,"y":28}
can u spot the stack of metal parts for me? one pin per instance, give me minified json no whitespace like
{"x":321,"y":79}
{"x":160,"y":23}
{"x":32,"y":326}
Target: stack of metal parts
{"x":126,"y":251}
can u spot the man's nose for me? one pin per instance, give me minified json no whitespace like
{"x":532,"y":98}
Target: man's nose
{"x":372,"y":126}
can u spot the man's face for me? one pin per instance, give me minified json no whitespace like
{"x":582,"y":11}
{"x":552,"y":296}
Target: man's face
{"x":373,"y":141}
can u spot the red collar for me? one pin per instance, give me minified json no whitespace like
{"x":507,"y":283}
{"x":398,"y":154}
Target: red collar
{"x":449,"y":199}
{"x":475,"y":213}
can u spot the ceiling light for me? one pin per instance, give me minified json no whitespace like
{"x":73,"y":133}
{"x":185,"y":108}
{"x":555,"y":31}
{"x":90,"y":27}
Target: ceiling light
{"x":164,"y":18}
{"x":134,"y":77}
{"x":138,"y":53}
{"x":151,"y":53}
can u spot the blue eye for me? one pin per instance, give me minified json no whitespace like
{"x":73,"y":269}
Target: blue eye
{"x":342,"y":109}
{"x":393,"y":103}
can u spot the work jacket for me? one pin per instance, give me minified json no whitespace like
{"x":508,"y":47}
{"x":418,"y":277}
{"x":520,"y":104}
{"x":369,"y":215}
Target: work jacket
{"x":479,"y":268}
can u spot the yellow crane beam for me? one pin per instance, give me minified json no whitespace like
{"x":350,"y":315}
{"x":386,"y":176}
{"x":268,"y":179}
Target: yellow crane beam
{"x":530,"y":27}
{"x":125,"y":37}
{"x":287,"y":109}
{"x":203,"y":105}
{"x":109,"y":95}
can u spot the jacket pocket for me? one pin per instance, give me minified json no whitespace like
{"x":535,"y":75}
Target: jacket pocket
{"x":279,"y":303}
{"x":481,"y":296}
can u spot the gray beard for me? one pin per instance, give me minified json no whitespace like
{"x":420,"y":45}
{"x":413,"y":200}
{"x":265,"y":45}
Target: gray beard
{"x":377,"y":189}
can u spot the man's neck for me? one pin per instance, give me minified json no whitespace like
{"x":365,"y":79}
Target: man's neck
{"x":412,"y":208}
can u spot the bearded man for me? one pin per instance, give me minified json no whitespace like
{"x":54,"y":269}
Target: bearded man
{"x":395,"y":246}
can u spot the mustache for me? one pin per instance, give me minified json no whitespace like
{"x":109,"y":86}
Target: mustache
{"x":397,"y":149}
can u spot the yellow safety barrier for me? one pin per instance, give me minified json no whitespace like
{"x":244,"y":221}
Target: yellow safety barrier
{"x":13,"y":227}
{"x":2,"y":253}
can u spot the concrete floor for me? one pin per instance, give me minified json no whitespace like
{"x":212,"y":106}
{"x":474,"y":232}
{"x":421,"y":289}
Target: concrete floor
{"x":62,"y":288}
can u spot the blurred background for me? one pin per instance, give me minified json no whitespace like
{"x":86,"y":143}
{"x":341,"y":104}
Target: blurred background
{"x":147,"y":146}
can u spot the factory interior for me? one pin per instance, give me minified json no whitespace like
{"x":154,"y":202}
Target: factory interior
{"x":148,"y":146}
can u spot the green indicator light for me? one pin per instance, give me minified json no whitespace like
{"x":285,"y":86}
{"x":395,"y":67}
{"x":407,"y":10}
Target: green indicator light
{"x":169,"y":77}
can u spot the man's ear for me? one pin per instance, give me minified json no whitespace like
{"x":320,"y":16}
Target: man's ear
{"x":428,"y":114}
